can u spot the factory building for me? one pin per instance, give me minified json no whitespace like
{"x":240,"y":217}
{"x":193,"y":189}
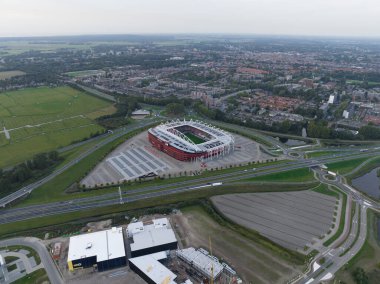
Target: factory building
{"x":151,"y":238}
{"x":149,"y":268}
{"x":104,"y":250}
{"x":208,"y":265}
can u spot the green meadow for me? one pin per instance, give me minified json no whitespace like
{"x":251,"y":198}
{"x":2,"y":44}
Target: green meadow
{"x":43,"y":119}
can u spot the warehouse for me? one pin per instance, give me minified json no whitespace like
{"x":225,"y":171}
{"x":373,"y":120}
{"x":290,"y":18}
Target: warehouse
{"x":151,"y":270}
{"x":208,"y":265}
{"x":152,"y":238}
{"x":103,"y":250}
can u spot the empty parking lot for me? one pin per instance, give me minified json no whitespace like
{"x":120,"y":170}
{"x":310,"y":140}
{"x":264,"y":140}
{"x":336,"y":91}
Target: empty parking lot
{"x":291,"y":219}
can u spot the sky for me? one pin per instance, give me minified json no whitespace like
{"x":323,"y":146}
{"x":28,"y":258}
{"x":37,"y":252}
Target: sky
{"x":269,"y":17}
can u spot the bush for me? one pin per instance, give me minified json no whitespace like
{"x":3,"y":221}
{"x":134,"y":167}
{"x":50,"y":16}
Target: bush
{"x":360,"y":276}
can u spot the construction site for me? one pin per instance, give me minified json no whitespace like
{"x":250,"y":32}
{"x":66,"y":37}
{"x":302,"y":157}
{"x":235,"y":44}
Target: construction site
{"x":146,"y":250}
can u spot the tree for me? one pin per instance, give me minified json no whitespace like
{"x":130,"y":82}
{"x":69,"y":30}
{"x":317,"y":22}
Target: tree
{"x":370,"y":132}
{"x":360,"y":276}
{"x":175,"y":109}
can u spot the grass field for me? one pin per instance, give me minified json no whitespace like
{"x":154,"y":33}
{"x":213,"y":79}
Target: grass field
{"x":43,"y":119}
{"x":9,"y":74}
{"x":298,"y":175}
{"x":325,"y":189}
{"x":76,"y":74}
{"x":321,"y":153}
{"x":358,"y":82}
{"x":194,"y":138}
{"x":345,"y":167}
{"x":37,"y":277}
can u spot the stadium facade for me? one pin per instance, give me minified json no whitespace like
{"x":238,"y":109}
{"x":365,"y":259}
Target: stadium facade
{"x":191,"y":140}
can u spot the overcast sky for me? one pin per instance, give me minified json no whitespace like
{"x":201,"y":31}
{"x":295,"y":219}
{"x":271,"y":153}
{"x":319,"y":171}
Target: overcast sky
{"x":284,"y":17}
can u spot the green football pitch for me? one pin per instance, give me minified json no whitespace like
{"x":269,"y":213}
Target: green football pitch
{"x":194,"y":138}
{"x":43,"y":119}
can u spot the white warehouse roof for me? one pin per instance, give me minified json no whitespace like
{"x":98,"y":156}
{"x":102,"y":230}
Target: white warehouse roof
{"x":156,"y":234}
{"x":151,"y":267}
{"x":105,"y":245}
{"x":134,"y":228}
{"x":152,"y":237}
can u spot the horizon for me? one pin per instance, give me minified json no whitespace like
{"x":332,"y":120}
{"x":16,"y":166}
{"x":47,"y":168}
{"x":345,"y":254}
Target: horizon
{"x":217,"y":35}
{"x":336,"y":18}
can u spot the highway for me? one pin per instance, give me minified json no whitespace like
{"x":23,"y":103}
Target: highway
{"x":335,"y":259}
{"x":345,"y":247}
{"x":10,"y":215}
{"x":29,"y":188}
{"x":39,"y":247}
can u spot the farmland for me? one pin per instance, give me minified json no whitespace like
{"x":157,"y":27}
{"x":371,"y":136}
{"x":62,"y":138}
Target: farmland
{"x":43,"y":119}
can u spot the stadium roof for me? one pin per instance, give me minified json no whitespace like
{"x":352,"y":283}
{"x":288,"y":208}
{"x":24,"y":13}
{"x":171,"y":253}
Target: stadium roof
{"x":151,"y":267}
{"x":105,"y":245}
{"x":168,"y":132}
{"x":156,"y":234}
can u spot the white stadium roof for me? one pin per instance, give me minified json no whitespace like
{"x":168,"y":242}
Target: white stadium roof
{"x":167,"y":132}
{"x":151,"y":267}
{"x":108,"y":244}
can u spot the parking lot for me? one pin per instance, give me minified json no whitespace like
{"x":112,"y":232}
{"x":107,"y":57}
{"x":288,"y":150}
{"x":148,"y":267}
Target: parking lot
{"x":136,"y":157}
{"x":291,"y":219}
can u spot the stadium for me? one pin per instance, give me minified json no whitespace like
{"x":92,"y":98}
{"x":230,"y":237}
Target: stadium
{"x":191,"y":140}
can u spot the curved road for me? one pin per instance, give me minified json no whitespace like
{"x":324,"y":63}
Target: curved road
{"x":39,"y":247}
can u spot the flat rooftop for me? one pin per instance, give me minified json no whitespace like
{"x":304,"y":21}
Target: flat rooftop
{"x":152,"y":236}
{"x":105,"y":245}
{"x":201,"y":260}
{"x":150,"y":265}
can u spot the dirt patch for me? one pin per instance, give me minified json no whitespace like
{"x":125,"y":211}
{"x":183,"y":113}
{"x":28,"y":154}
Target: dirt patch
{"x":97,"y":226}
{"x":253,"y":262}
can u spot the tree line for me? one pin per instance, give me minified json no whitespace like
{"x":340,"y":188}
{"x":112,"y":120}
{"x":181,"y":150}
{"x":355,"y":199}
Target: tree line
{"x":30,"y":170}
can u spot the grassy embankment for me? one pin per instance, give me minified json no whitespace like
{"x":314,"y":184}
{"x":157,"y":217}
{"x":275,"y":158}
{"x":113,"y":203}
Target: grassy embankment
{"x":345,"y":167}
{"x":297,"y":175}
{"x":341,"y":221}
{"x":317,"y":154}
{"x":26,"y":227}
{"x":367,"y":258}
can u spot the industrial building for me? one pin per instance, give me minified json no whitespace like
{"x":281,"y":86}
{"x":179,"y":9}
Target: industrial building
{"x":102,"y":250}
{"x":208,"y":265}
{"x":151,"y":238}
{"x":190,"y":140}
{"x":149,"y":268}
